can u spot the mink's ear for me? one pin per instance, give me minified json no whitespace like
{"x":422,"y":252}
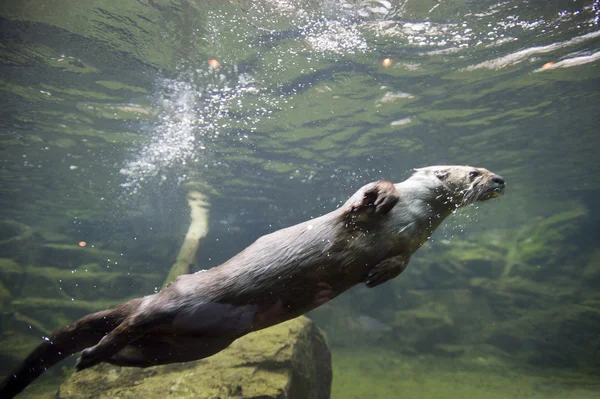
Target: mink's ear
{"x":441,"y":174}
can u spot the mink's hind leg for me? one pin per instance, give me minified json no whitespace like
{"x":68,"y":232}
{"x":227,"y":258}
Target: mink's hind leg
{"x":108,"y":346}
{"x":154,"y":350}
{"x":189,"y":332}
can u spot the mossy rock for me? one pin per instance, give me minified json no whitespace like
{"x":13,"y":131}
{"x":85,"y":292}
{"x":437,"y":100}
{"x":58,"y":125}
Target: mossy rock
{"x":290,"y":360}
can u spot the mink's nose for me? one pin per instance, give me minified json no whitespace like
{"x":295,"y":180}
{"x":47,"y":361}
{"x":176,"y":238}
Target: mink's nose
{"x":499,"y":180}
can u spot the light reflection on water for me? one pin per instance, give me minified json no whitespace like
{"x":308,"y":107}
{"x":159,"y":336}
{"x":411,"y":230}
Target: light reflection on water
{"x":202,"y":103}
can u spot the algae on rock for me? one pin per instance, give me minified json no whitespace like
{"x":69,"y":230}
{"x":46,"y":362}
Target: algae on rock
{"x":287,"y":361}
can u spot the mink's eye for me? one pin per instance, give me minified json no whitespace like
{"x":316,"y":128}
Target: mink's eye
{"x":473,"y":174}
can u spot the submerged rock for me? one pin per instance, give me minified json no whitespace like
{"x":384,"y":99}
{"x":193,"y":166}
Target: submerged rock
{"x":287,"y":361}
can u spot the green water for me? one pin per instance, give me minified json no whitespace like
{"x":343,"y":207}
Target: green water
{"x":439,"y":378}
{"x":111,"y":113}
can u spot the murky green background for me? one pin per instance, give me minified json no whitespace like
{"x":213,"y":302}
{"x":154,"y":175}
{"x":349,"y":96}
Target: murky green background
{"x":111,"y":113}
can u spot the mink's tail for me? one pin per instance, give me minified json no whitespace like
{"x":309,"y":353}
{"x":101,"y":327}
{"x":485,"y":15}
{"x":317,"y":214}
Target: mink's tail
{"x":82,"y":334}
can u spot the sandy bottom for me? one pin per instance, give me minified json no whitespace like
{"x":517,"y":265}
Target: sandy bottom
{"x":377,"y":374}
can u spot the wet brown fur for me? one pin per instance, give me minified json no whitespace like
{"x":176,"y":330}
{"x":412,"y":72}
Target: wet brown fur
{"x":282,"y":275}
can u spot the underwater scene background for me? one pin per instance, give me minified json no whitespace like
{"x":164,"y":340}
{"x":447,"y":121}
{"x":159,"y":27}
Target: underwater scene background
{"x":112,"y":111}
